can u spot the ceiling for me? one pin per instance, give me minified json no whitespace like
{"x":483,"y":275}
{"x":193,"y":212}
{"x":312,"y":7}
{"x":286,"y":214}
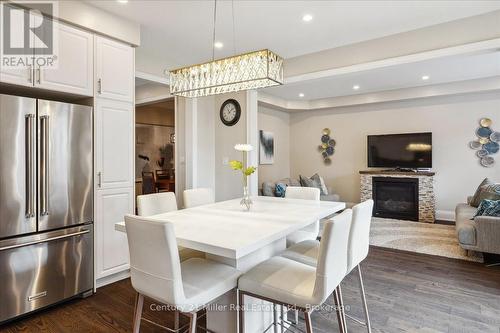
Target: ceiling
{"x":441,"y":70}
{"x":178,"y":33}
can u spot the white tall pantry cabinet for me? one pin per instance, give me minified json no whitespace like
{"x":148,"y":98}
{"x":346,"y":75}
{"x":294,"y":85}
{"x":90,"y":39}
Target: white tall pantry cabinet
{"x":113,"y":154}
{"x":93,"y":66}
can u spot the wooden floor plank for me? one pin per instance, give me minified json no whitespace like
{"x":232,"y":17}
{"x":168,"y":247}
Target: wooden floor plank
{"x":406,"y":292}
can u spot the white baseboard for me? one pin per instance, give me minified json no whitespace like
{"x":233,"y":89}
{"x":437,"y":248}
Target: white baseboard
{"x":113,"y":278}
{"x":445,"y":215}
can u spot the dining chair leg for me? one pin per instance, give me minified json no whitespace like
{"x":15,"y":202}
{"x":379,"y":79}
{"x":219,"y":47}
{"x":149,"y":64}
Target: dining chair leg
{"x":342,"y":308}
{"x":241,"y":312}
{"x":139,"y":302}
{"x":282,"y":329}
{"x":275,"y":318}
{"x":176,"y":320}
{"x":363,"y":299}
{"x":338,"y":310}
{"x":192,"y":322}
{"x":307,"y":317}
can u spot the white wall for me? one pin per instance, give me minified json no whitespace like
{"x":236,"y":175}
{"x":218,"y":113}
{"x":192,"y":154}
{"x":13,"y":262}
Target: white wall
{"x":206,"y":142}
{"x":228,"y":183}
{"x":278,"y":122}
{"x":452,"y":120}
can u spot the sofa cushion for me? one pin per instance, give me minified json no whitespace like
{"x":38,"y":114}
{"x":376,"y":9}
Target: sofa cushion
{"x":268,"y":189}
{"x":474,"y":201}
{"x":488,"y":208}
{"x":329,"y":197}
{"x":309,"y":182}
{"x":323,"y":188}
{"x":466,"y":229}
{"x":489,"y":192}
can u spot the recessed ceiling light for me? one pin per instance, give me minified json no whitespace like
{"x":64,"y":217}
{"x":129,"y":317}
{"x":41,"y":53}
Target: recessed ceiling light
{"x":122,"y":1}
{"x":355,"y":87}
{"x":218,"y":45}
{"x":425,"y":77}
{"x":301,"y":95}
{"x":307,"y":18}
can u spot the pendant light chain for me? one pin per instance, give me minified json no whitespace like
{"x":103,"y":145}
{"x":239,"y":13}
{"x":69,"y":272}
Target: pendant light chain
{"x":215,"y":24}
{"x":234,"y":29}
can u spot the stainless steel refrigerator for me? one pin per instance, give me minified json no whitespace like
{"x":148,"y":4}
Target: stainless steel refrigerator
{"x":46,"y":203}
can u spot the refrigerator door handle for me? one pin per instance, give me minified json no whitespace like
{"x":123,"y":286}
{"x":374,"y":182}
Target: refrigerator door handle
{"x":30,"y":166}
{"x":15,"y":246}
{"x":44,"y":165}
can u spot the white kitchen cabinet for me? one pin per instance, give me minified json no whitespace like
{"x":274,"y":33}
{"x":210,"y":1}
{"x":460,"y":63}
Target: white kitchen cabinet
{"x":18,"y":76}
{"x":114,"y":70}
{"x":112,"y":254}
{"x":114,"y":144}
{"x":74,"y":70}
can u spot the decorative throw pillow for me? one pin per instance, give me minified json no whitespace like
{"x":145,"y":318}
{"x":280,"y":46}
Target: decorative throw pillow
{"x":488,"y":208}
{"x":318,"y":178}
{"x":489,"y":192}
{"x":475,"y":199}
{"x":308,"y":182}
{"x":268,"y":189}
{"x":280,"y":190}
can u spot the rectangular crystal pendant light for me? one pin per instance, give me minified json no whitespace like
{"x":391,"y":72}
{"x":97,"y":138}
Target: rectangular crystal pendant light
{"x":252,"y":70}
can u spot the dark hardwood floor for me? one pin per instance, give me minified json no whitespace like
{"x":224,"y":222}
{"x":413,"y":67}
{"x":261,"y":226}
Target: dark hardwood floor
{"x":406,"y":292}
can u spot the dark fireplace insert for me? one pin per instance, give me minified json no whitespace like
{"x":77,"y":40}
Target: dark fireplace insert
{"x":395,"y":198}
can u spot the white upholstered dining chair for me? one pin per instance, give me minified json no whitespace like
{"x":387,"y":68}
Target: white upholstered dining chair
{"x":156,"y":271}
{"x":156,"y":203}
{"x":293,"y":284}
{"x":198,"y":196}
{"x":311,"y":231}
{"x":164,"y":202}
{"x":307,"y":252}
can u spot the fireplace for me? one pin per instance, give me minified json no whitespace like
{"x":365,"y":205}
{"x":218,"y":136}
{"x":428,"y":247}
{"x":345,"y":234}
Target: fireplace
{"x":395,"y":198}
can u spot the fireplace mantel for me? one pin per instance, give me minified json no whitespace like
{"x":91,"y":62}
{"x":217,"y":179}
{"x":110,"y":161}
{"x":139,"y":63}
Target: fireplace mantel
{"x":397,"y":173}
{"x":426,"y":199}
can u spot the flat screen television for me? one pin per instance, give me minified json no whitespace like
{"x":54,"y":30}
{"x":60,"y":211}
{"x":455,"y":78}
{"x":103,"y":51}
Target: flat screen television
{"x":411,"y":151}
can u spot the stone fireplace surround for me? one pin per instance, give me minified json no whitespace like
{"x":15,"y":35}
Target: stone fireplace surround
{"x":426,"y":199}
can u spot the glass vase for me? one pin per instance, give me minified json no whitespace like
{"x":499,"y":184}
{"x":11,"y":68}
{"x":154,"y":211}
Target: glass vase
{"x":246,"y":201}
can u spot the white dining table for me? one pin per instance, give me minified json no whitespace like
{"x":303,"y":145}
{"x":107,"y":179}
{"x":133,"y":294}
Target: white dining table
{"x":229,"y":234}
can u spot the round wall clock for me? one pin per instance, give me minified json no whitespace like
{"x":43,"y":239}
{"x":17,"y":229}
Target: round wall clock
{"x":230,"y":112}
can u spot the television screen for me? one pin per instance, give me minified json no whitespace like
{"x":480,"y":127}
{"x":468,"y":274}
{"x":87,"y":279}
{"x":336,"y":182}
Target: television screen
{"x":413,"y":151}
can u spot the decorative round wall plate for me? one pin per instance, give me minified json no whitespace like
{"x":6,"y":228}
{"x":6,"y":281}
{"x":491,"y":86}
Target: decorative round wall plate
{"x":475,"y":145}
{"x":485,"y":122}
{"x":330,"y":151}
{"x":325,"y":138}
{"x":326,"y":131}
{"x":487,"y":161}
{"x":484,"y":132}
{"x":327,"y":161}
{"x":482,"y":153}
{"x":484,"y":141}
{"x":495,"y":136}
{"x":332,"y":142}
{"x":491,"y":147}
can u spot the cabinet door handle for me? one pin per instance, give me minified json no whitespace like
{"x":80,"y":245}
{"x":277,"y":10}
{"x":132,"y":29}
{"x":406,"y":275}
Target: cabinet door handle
{"x":38,"y":75}
{"x":99,"y":86}
{"x":99,"y":179}
{"x":30,"y":73}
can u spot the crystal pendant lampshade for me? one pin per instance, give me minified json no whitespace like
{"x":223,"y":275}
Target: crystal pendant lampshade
{"x":252,"y":70}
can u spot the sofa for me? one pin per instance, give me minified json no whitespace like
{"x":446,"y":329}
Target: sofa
{"x":481,"y":233}
{"x":268,"y":189}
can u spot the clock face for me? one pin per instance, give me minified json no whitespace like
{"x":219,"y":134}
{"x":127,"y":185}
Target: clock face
{"x":230,"y":112}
